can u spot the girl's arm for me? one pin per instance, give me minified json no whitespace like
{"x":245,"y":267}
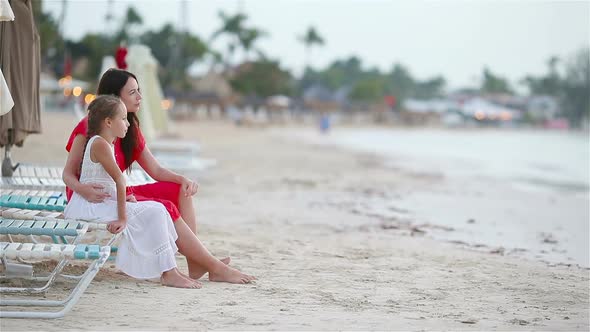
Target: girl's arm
{"x":149,"y":163}
{"x":71,"y":173}
{"x":101,"y":152}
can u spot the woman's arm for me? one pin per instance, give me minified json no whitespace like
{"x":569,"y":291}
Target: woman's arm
{"x":149,"y":163}
{"x":71,"y":173}
{"x":102,"y":153}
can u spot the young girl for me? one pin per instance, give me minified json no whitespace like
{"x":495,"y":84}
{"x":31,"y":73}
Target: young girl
{"x":147,"y":248}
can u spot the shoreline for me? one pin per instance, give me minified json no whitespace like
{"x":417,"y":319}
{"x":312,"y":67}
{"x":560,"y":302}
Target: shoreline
{"x":284,"y":211}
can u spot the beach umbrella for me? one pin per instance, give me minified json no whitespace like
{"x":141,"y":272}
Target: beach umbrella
{"x":108,"y":62}
{"x":6,"y":101}
{"x":6,"y":13}
{"x":144,"y":65}
{"x":20,"y":63}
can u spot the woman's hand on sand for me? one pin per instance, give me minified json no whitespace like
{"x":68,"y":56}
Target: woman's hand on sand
{"x":93,"y":192}
{"x":131,"y":198}
{"x":189,"y":187}
{"x":117,"y":226}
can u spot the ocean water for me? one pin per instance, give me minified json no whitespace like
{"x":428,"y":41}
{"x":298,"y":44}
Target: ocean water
{"x":531,"y":187}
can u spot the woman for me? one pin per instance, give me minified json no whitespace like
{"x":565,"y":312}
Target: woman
{"x":172,"y":190}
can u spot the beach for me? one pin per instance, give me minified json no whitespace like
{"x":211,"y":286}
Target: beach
{"x":299,"y":217}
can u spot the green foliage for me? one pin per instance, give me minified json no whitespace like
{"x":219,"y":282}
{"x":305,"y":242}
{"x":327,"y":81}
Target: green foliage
{"x":94,"y":47}
{"x":572,"y":88}
{"x":190,"y":48}
{"x":240,"y":35}
{"x":369,"y":89}
{"x":401,"y":83}
{"x":545,"y":85}
{"x":310,"y":39}
{"x":262,"y":79}
{"x":132,"y":20}
{"x":372,"y":85}
{"x":430,"y":88}
{"x":494,"y":84}
{"x":576,"y":88}
{"x":248,"y":38}
{"x":52,"y":47}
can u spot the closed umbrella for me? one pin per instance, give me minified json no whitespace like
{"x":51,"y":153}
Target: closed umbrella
{"x":20,"y":62}
{"x":144,"y":65}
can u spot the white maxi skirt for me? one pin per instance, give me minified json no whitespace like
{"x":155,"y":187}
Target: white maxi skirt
{"x":148,"y":243}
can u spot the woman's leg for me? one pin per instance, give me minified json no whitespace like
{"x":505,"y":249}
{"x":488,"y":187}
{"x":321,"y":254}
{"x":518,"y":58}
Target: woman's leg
{"x":201,"y":259}
{"x":187,"y":211}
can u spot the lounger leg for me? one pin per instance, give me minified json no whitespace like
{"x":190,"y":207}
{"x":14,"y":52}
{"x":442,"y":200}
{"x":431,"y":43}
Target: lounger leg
{"x":50,"y":278}
{"x":32,"y":290}
{"x":68,"y":303}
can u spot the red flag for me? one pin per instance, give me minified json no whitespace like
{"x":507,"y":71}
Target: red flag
{"x":120,"y":55}
{"x":67,"y":64}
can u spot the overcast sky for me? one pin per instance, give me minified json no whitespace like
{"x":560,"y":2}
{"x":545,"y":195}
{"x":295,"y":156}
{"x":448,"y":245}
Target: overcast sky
{"x":455,"y":39}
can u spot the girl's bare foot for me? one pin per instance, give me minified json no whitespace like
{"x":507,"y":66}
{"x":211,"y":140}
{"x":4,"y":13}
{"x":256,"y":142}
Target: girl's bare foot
{"x":196,"y":274}
{"x":174,"y":278}
{"x":231,"y":275}
{"x":188,"y":278}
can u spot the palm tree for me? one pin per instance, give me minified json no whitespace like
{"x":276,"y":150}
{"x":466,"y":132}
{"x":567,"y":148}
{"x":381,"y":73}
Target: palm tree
{"x":233,"y":27}
{"x":248,"y":38}
{"x":309,"y":40}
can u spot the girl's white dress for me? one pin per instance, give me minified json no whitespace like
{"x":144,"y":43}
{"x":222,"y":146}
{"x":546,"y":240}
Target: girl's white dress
{"x":147,"y":245}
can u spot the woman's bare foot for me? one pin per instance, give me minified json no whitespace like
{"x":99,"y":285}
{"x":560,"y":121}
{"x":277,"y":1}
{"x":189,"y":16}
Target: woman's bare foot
{"x":196,"y":274}
{"x":231,"y":275}
{"x":174,"y":278}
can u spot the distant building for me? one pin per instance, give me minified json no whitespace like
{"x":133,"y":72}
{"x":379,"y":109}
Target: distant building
{"x":542,"y":108}
{"x":320,"y":98}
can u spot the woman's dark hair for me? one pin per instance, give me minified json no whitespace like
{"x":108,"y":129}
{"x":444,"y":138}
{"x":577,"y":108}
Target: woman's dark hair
{"x":111,"y":83}
{"x":105,"y":106}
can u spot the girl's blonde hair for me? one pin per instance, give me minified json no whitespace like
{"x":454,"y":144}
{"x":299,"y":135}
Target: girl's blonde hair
{"x":102,"y":107}
{"x":105,"y":106}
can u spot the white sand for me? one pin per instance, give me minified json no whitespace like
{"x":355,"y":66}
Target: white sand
{"x":281,"y":210}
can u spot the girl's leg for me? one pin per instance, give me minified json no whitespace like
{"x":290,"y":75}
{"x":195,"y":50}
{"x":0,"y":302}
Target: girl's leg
{"x":201,"y":259}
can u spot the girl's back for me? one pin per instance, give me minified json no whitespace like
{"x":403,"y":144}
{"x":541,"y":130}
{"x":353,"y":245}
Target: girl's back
{"x":94,"y":172}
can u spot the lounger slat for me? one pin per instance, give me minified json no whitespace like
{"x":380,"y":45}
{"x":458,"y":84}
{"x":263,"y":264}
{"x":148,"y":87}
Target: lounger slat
{"x":72,"y":228}
{"x":93,"y":251}
{"x":11,"y":251}
{"x":4,"y":224}
{"x":69,"y":250}
{"x":25,"y":250}
{"x":8,"y":213}
{"x":49,"y":225}
{"x":55,"y":251}
{"x":38,"y":228}
{"x":26,"y":227}
{"x":80,"y":251}
{"x":13,"y":228}
{"x":38,"y":249}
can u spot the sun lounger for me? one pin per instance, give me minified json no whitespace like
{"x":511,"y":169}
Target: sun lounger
{"x":15,"y":221}
{"x":51,"y":228}
{"x":179,"y":155}
{"x":98,"y":256}
{"x":33,"y":199}
{"x":50,"y":178}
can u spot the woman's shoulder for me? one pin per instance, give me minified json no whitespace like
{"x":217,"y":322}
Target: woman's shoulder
{"x":82,"y":125}
{"x":80,"y":129}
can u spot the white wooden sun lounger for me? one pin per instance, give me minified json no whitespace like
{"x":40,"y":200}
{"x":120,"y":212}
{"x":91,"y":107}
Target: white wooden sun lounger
{"x":50,"y":178}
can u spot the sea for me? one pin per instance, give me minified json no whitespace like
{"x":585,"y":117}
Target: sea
{"x":509,"y":191}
